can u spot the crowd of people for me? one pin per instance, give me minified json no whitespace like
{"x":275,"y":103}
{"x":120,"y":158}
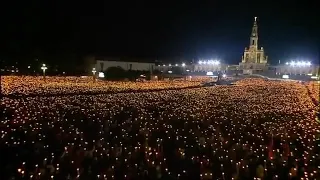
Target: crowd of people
{"x":38,"y":85}
{"x":256,"y":129}
{"x":314,"y":88}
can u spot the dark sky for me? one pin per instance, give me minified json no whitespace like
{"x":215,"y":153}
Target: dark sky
{"x":54,"y":30}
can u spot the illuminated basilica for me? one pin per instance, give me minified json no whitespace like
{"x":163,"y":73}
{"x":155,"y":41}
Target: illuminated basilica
{"x":254,"y":58}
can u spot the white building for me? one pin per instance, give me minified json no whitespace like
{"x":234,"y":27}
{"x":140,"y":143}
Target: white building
{"x":205,"y":67}
{"x":103,"y":65}
{"x":296,"y":70}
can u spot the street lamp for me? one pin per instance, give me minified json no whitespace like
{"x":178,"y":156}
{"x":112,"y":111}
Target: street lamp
{"x":44,"y":68}
{"x":210,"y":62}
{"x":93,"y":73}
{"x":209,"y":65}
{"x":297,"y":65}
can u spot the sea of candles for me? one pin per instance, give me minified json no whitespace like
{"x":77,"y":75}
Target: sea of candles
{"x":35,"y":85}
{"x":257,"y":129}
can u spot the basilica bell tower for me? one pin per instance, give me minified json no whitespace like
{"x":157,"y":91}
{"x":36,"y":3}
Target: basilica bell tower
{"x":253,"y":56}
{"x":254,"y":35}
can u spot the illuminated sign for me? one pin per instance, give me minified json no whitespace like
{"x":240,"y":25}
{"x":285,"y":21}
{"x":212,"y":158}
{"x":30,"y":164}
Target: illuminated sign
{"x":285,"y":76}
{"x":101,"y":75}
{"x":209,"y":73}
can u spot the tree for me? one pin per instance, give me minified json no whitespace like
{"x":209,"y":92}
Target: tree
{"x":88,"y":64}
{"x":115,"y":73}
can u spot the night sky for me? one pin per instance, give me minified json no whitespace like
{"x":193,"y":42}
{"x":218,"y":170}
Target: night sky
{"x":54,"y":31}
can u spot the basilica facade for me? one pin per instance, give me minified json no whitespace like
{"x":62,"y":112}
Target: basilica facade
{"x":254,"y":60}
{"x":254,"y":57}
